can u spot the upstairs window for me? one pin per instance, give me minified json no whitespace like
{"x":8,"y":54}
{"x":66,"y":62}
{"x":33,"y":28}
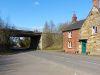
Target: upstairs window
{"x":69,"y":34}
{"x":94,"y":30}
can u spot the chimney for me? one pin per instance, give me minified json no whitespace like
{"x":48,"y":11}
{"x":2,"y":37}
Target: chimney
{"x":96,"y":3}
{"x":74,"y":18}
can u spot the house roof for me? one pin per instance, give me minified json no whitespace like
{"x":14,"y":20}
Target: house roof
{"x":75,"y":26}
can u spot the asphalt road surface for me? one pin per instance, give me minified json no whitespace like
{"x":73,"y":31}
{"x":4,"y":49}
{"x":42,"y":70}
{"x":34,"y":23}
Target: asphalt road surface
{"x":49,"y":63}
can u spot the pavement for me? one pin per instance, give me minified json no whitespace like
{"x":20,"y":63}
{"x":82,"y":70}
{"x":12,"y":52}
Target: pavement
{"x":49,"y":63}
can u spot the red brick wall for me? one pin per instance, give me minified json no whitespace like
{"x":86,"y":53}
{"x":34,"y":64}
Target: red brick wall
{"x":96,"y":3}
{"x":74,"y":40}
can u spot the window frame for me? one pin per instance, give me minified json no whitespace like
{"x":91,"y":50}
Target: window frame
{"x":70,"y":34}
{"x":69,"y":44}
{"x":94,"y":30}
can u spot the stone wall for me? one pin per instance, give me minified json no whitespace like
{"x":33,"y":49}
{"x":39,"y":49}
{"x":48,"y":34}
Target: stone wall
{"x":55,"y":39}
{"x":93,"y":41}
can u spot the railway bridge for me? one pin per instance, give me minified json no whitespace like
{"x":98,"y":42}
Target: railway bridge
{"x":34,"y":36}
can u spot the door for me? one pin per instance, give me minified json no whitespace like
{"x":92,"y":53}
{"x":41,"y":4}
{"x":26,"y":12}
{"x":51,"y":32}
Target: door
{"x":84,"y":46}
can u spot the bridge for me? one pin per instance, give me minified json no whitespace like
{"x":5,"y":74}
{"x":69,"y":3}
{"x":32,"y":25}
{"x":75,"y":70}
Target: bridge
{"x":34,"y":36}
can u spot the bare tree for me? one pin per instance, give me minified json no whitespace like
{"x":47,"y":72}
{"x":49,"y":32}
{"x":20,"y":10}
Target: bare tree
{"x":52,"y":35}
{"x":46,"y":28}
{"x":62,"y":27}
{"x":47,"y":36}
{"x":4,"y":33}
{"x":52,"y":27}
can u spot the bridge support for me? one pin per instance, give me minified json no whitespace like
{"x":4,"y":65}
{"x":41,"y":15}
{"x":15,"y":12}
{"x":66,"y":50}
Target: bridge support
{"x":35,"y":42}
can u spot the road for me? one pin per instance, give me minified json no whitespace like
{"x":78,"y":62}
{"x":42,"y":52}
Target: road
{"x":49,"y":63}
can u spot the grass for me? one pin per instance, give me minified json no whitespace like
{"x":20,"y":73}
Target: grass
{"x":54,"y":48}
{"x":12,"y":51}
{"x":6,"y":52}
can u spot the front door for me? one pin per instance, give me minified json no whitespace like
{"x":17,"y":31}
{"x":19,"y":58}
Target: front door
{"x":84,"y":46}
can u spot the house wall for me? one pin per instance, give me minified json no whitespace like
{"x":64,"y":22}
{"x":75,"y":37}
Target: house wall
{"x":74,"y":40}
{"x":93,"y":41}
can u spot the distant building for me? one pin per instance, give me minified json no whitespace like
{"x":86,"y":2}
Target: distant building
{"x":84,"y":36}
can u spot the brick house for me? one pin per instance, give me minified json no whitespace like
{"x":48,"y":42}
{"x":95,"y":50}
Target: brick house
{"x":71,"y":35}
{"x":84,"y":35}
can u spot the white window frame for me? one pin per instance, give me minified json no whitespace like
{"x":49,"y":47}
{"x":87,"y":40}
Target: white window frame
{"x":70,"y":34}
{"x":94,"y":30}
{"x":69,"y":44}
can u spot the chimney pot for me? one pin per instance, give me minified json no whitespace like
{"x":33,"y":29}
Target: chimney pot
{"x":96,"y":3}
{"x":74,"y":18}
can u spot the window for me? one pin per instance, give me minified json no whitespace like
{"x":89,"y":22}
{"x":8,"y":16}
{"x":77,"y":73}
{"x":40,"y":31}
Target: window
{"x":69,"y":44}
{"x":69,"y":34}
{"x":94,"y":30}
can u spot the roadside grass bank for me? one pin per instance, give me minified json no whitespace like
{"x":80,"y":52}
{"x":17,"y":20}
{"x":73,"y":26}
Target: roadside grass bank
{"x":6,"y":52}
{"x":54,"y":48}
{"x":14,"y":51}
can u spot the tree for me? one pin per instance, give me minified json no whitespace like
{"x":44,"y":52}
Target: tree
{"x":52,"y":27}
{"x":52,"y":37}
{"x":4,"y":33}
{"x":35,"y":30}
{"x":46,"y":28}
{"x":1,"y":23}
{"x":62,"y":27}
{"x":47,"y":36}
{"x":24,"y":42}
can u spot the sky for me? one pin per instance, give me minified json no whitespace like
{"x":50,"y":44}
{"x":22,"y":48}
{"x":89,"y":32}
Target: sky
{"x":32,"y":14}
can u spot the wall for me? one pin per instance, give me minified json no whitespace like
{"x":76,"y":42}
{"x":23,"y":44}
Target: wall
{"x":74,"y":40}
{"x":51,"y":41}
{"x":93,"y":41}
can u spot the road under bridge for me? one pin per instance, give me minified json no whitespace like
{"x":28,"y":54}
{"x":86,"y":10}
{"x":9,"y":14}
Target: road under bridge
{"x":34,"y":36}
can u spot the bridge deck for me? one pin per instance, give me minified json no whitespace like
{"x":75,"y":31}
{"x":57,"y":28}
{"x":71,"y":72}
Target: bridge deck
{"x":21,"y":33}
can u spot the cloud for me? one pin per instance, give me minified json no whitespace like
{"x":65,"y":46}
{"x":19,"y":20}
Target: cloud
{"x":36,"y":3}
